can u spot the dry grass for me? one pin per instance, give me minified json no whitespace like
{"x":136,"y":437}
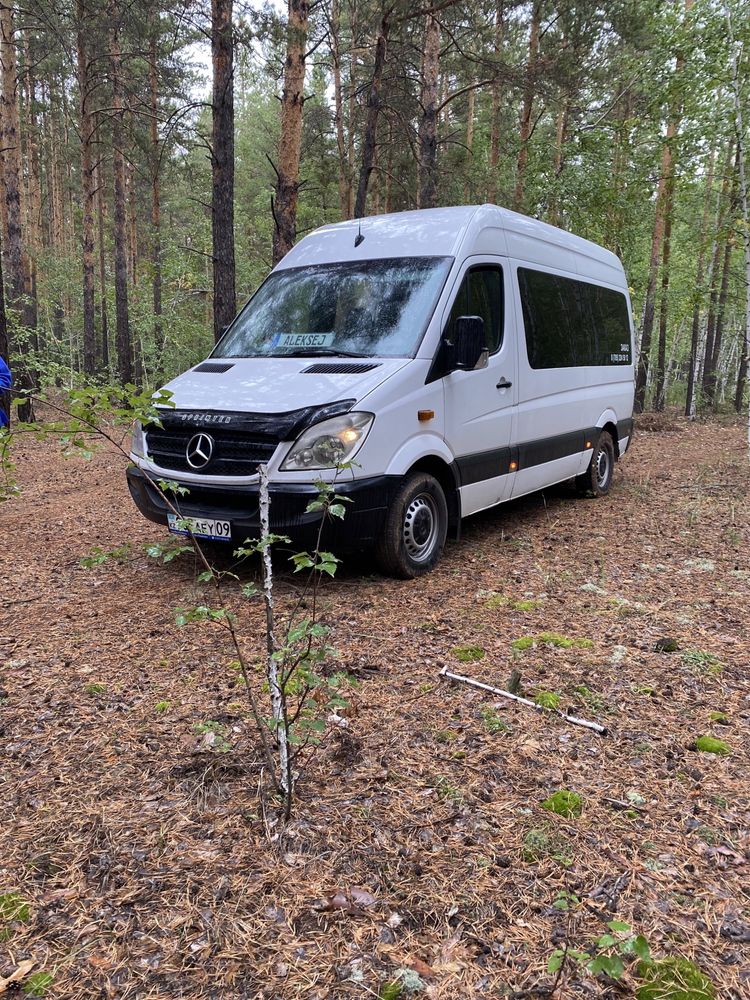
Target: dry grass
{"x":150,"y":867}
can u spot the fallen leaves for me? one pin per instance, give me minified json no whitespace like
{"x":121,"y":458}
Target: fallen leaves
{"x":20,"y":973}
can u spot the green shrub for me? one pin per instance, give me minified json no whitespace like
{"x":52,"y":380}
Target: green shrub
{"x":550,"y":639}
{"x":564,"y":803}
{"x":548,"y":699}
{"x":674,"y":978}
{"x":468,"y":654}
{"x":709,"y":744}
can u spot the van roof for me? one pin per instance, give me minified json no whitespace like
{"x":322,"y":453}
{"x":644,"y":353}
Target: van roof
{"x":453,"y":232}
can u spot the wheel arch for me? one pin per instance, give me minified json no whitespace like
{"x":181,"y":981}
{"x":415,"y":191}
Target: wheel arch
{"x":439,"y":469}
{"x":608,"y":422}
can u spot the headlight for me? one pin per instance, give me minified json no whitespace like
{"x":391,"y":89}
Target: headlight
{"x":327,"y":444}
{"x":138,"y":440}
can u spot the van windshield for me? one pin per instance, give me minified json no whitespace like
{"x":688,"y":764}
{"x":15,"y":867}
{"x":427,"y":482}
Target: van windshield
{"x":370,"y":308}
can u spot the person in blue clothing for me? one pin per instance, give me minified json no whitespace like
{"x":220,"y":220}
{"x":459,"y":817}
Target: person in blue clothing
{"x":6,"y":381}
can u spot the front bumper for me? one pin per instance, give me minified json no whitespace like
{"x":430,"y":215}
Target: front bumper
{"x":370,"y":499}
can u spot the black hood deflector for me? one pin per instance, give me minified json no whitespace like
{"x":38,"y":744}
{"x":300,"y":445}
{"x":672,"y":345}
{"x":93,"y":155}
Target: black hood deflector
{"x":279,"y":426}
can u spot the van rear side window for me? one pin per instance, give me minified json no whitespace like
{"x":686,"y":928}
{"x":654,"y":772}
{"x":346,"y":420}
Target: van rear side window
{"x":570,"y":323}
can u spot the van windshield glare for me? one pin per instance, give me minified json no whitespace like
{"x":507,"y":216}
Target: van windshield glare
{"x":369,"y":308}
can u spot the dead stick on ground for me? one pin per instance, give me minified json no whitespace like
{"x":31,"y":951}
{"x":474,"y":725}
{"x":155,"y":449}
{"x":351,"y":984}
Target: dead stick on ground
{"x":523,"y":701}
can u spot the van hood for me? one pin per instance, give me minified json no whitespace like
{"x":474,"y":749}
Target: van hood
{"x":277,"y":385}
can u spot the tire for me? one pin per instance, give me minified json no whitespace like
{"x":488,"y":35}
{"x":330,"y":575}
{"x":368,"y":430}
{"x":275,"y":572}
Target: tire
{"x":597,"y":479}
{"x":413,"y":536}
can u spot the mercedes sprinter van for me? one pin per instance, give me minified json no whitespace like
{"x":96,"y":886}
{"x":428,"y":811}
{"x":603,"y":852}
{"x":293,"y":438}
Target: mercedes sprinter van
{"x":457,"y":357}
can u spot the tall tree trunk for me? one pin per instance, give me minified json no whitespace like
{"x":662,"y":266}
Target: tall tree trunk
{"x":222,"y":160}
{"x":744,"y":208}
{"x":561,"y":136}
{"x":87,"y":187}
{"x":657,"y":236}
{"x":661,"y":374}
{"x":5,"y":396}
{"x":722,"y":236}
{"x":11,"y":144}
{"x":352,"y":103}
{"x":495,"y":113}
{"x":33,"y":199}
{"x":720,"y":315}
{"x":124,"y":347}
{"x":345,"y":177}
{"x":427,"y":139}
{"x":100,"y":213}
{"x":660,"y":213}
{"x":470,"y":114}
{"x":290,"y":142}
{"x":529,"y":87}
{"x":369,"y":139}
{"x":155,"y":187}
{"x":696,"y":323}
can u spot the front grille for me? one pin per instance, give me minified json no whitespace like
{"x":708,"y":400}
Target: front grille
{"x":235,"y":453}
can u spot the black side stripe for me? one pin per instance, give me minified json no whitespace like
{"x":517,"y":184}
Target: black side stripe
{"x":489,"y":464}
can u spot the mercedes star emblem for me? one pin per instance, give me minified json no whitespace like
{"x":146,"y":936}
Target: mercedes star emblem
{"x":199,"y":450}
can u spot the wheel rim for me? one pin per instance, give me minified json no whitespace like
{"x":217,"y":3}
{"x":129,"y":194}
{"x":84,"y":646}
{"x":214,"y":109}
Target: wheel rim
{"x":421,"y":527}
{"x":602,"y":468}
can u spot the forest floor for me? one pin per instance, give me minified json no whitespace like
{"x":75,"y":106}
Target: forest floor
{"x":137,"y":862}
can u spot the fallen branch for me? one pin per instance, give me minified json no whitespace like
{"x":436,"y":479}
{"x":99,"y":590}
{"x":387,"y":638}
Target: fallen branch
{"x":523,"y":701}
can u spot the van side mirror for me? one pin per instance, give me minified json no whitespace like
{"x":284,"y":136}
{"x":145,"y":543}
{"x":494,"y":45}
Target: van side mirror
{"x":468,"y":342}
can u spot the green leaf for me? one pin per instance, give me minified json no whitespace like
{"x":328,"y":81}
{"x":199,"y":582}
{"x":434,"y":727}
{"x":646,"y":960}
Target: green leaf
{"x":618,"y":926}
{"x":555,"y":961}
{"x":641,"y":948}
{"x":611,"y":965}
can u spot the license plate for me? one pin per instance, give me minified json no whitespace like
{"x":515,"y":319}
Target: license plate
{"x":201,"y":527}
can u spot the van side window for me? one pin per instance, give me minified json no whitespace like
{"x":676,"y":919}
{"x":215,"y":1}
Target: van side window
{"x":570,"y":323}
{"x":481,"y":294}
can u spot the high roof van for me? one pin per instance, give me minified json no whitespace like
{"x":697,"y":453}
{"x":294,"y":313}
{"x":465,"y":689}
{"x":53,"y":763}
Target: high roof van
{"x":457,"y":357}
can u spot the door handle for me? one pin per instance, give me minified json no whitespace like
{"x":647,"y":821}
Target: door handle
{"x":503,"y":384}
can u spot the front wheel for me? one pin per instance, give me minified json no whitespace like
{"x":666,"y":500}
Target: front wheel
{"x":597,"y":479}
{"x":415,"y":528}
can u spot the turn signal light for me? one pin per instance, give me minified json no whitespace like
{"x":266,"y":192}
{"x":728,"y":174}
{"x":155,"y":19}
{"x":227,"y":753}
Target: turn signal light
{"x":424,"y":415}
{"x":513,"y":466}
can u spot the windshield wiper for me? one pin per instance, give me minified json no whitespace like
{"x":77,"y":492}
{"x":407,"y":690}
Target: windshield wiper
{"x":321,"y":352}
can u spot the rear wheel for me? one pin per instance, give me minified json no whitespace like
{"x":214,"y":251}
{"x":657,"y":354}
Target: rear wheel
{"x":416,"y":525}
{"x":597,"y":479}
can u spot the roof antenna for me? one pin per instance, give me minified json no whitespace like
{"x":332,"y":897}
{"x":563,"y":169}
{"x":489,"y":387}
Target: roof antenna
{"x":359,"y":238}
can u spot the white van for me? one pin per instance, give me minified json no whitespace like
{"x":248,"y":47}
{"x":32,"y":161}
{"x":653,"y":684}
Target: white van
{"x":460,"y":357}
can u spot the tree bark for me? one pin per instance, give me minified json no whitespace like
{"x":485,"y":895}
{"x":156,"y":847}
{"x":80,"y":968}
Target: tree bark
{"x":529,"y":87}
{"x":104,"y":313}
{"x":495,"y":114}
{"x":744,"y":208}
{"x":34,"y":197}
{"x":155,"y":186}
{"x":290,"y":142}
{"x":722,"y":235}
{"x":16,"y":263}
{"x":660,"y":392}
{"x":345,"y":177}
{"x":470,"y":113}
{"x":122,"y":319}
{"x":696,"y":323}
{"x":657,"y":236}
{"x":87,"y":188}
{"x":369,"y":140}
{"x":427,"y":139}
{"x":222,"y":161}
